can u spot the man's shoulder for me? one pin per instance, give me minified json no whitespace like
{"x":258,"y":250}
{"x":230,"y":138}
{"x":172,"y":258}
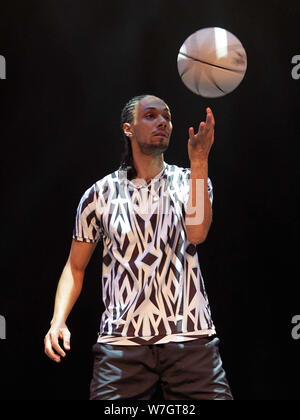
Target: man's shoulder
{"x":177,"y":171}
{"x":175,"y":168}
{"x":183,"y":174}
{"x":101,"y":185}
{"x":106,"y":180}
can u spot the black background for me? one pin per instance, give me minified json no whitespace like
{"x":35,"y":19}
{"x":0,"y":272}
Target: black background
{"x":71,"y":66}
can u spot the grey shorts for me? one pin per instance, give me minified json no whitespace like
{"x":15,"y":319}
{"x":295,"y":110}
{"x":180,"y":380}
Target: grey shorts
{"x":190,"y":370}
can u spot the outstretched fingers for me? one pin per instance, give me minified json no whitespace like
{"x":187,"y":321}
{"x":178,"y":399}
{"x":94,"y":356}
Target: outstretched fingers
{"x":204,"y":127}
{"x":210,"y":119}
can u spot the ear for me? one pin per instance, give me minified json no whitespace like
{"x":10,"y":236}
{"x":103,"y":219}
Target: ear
{"x":127,"y":129}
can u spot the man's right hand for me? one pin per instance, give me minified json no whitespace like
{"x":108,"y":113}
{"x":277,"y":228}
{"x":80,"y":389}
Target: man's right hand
{"x":68,"y":291}
{"x":52,"y":348}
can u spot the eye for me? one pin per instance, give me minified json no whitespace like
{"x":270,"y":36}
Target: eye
{"x":150,"y":115}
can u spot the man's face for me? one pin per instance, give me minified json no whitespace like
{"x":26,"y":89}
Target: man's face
{"x":152,"y":126}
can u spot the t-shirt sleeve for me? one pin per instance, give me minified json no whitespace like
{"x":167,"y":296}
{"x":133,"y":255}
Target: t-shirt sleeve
{"x":87,"y":226}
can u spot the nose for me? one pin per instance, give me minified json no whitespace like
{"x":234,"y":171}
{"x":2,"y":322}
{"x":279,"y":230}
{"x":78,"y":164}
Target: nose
{"x":162,"y":121}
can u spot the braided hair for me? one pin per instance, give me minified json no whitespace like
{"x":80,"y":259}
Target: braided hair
{"x":127,"y":116}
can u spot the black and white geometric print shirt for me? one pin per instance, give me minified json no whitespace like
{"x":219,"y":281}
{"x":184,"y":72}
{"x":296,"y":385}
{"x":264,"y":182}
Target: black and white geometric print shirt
{"x":152,"y":288}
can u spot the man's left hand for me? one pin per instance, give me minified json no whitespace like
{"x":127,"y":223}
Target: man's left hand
{"x":199,"y":144}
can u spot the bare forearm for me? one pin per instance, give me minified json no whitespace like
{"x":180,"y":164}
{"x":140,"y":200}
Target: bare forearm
{"x":199,"y":146}
{"x":199,"y":212}
{"x":68,"y":291}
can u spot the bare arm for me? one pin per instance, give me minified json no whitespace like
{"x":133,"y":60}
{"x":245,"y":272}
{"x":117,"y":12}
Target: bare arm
{"x":68,"y":291}
{"x":199,"y":212}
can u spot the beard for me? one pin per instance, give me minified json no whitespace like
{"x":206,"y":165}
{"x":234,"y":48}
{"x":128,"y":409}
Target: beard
{"x":154,"y":149}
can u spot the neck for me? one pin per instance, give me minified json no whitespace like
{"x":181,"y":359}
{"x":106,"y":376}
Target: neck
{"x":148,"y":167}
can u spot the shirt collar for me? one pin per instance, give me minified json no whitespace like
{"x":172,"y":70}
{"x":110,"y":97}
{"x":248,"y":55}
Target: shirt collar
{"x":122,"y":175}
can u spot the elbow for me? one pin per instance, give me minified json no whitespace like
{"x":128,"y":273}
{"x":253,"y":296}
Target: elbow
{"x":76,"y":269}
{"x":197,"y":239}
{"x":197,"y":235}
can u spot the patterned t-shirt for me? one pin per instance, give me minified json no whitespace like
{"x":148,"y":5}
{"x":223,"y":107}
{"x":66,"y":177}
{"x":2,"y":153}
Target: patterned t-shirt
{"x":152,"y":288}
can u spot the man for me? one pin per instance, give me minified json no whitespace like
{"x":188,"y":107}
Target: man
{"x":157,"y":326}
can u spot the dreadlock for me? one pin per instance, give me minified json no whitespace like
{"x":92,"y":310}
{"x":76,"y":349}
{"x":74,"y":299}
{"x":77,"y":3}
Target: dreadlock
{"x":127,"y":116}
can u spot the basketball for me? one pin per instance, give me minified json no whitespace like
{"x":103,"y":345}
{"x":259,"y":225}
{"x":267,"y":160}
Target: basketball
{"x":212,"y":62}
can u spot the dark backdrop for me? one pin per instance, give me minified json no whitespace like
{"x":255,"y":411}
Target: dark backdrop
{"x":71,"y":66}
